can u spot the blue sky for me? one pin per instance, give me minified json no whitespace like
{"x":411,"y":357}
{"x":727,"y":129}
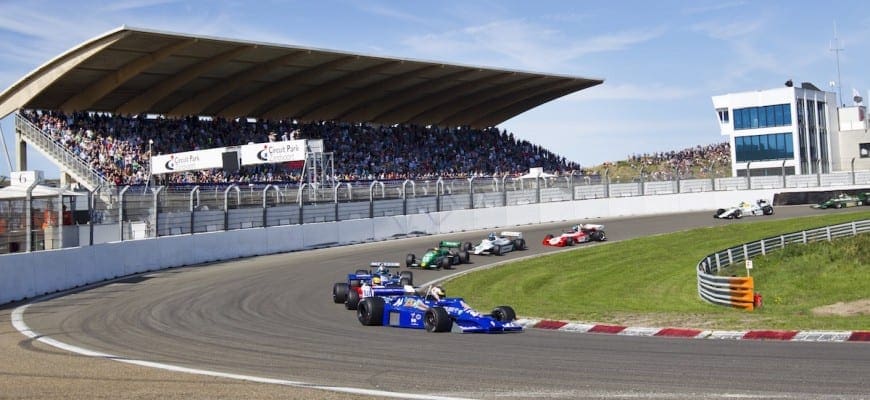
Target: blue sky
{"x":662,"y":60}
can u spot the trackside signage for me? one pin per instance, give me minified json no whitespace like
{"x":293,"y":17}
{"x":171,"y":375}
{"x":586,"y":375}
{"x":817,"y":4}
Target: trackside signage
{"x":187,"y":161}
{"x":273,"y":152}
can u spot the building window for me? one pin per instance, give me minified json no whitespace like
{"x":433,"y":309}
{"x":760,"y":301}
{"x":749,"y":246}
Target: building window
{"x":723,"y":115}
{"x":776,"y":146}
{"x":864,"y":150}
{"x":761,"y":117}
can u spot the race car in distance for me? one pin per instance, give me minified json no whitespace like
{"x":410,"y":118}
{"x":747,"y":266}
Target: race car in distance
{"x":760,"y":207}
{"x":845,"y":200}
{"x":577,"y":234}
{"x":498,"y":245}
{"x":383,"y":283}
{"x":418,"y":312}
{"x":445,"y":256}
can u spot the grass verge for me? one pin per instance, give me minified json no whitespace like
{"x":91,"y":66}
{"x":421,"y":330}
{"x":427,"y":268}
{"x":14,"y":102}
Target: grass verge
{"x":651,"y":281}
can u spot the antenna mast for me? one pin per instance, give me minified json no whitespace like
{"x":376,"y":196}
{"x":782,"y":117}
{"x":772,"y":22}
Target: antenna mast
{"x":835,"y":47}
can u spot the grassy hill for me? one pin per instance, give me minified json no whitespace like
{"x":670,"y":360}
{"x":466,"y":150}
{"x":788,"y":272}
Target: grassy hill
{"x":700,"y":162}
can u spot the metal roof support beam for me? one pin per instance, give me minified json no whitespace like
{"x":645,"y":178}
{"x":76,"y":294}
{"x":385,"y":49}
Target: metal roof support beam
{"x":472,"y":107}
{"x":387,"y":101}
{"x":252,"y":105}
{"x":165,"y":88}
{"x":113,"y":80}
{"x":482,"y":96}
{"x":498,"y":116}
{"x":402,"y":112}
{"x":334,"y":108}
{"x":316,"y":96}
{"x":201,"y":101}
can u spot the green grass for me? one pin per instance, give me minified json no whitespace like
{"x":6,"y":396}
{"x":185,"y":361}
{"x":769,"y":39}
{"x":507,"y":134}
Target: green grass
{"x":652,"y":281}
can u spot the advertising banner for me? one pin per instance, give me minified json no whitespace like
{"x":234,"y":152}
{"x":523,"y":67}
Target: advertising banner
{"x":187,"y":161}
{"x":273,"y":152}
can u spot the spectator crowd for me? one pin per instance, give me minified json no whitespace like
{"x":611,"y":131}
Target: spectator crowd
{"x":118,"y":147}
{"x":706,"y":160}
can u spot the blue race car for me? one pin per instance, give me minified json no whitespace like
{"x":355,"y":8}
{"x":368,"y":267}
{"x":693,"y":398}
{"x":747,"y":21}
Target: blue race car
{"x":445,"y":315}
{"x":386,"y":284}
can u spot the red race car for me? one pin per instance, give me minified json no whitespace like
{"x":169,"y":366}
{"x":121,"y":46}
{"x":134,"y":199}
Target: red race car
{"x":577,"y":234}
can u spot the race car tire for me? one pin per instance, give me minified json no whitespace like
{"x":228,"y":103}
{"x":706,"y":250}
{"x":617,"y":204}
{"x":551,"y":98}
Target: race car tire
{"x":407,"y":275}
{"x":410,"y":259}
{"x":362,"y":272}
{"x":767,"y":210}
{"x":464,"y":257}
{"x":339,"y":292}
{"x":454,"y":257}
{"x":437,"y":319}
{"x":352,"y":300}
{"x":738,"y":214}
{"x":496,"y":250}
{"x":519,"y":244}
{"x":355,"y":283}
{"x":838,"y":205}
{"x":719,"y":213}
{"x":569,"y":241}
{"x":504,"y":314}
{"x":445,"y":263}
{"x":598,"y":236}
{"x":371,"y":311}
{"x":467,"y":246}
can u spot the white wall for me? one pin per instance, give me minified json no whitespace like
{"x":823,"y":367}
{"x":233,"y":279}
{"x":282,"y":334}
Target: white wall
{"x":26,"y":275}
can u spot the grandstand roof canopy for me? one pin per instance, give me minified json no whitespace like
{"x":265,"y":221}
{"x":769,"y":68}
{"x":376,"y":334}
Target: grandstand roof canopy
{"x":138,"y":71}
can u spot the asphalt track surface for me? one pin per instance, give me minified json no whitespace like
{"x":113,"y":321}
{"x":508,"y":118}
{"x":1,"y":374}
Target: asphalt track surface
{"x":273,"y":317}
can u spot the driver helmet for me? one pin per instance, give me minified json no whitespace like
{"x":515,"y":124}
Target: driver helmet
{"x":438,"y":290}
{"x":376,"y":280}
{"x":491,"y":236}
{"x":382,"y":269}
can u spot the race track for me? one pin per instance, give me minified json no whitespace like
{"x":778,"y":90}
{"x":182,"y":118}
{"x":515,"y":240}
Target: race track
{"x":273,"y":317}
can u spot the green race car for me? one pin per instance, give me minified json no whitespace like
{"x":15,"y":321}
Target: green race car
{"x":845,"y":200}
{"x":445,"y":256}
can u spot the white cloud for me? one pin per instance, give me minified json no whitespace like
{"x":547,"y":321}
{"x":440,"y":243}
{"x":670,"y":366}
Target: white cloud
{"x":135,"y":4}
{"x":629,"y":91}
{"x":392,"y":13}
{"x":525,"y":44}
{"x":730,"y":30}
{"x":718,"y":6}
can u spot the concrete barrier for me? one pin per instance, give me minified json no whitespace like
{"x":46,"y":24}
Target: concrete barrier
{"x":25,"y":275}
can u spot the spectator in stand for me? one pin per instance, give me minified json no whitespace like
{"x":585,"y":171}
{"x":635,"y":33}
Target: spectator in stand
{"x":117,"y":147}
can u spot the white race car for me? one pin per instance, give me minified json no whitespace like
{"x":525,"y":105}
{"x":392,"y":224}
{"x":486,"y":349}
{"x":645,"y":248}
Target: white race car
{"x":745,"y":208}
{"x":498,"y":245}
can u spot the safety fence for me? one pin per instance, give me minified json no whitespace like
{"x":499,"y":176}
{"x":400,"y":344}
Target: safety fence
{"x":738,"y":292}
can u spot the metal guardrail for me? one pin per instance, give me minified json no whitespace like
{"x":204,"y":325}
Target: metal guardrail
{"x":731,"y":290}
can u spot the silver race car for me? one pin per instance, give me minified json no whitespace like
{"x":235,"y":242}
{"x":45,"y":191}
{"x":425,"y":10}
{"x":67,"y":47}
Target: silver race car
{"x":498,"y":245}
{"x":745,"y":208}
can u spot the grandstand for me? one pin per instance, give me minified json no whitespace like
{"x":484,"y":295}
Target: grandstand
{"x":106,"y":109}
{"x":129,"y":73}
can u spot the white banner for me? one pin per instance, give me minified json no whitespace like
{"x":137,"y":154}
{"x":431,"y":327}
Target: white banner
{"x":273,"y":152}
{"x":187,"y":161}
